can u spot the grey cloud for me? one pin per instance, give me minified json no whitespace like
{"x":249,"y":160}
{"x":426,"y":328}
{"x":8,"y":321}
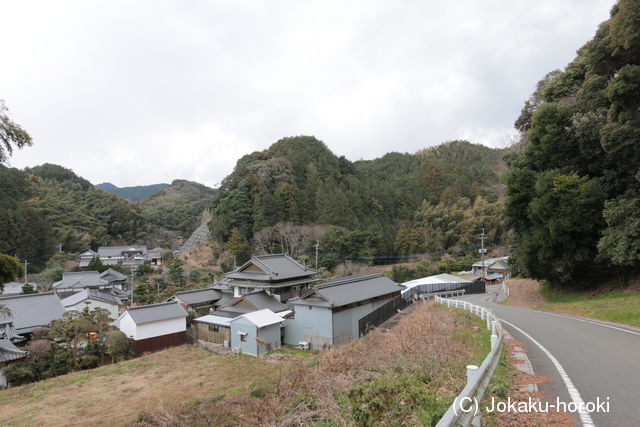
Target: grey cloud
{"x":143,"y":92}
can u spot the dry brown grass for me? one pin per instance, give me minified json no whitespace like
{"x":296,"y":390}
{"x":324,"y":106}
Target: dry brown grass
{"x":525,"y":293}
{"x":200,"y":257}
{"x":117,"y":394}
{"x":185,"y":385}
{"x":425,"y":340}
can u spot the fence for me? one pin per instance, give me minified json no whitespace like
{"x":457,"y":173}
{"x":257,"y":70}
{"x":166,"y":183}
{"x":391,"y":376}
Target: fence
{"x":466,"y":405}
{"x":389,"y":309}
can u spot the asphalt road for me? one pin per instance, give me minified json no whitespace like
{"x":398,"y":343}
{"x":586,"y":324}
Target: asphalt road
{"x":599,"y":359}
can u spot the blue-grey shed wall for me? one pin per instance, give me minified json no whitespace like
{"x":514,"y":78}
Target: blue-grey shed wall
{"x":268,"y":335}
{"x":320,"y":325}
{"x":311,"y":324}
{"x":345,"y":323}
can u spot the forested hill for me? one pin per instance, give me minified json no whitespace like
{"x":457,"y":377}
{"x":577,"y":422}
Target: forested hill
{"x":400,"y":203}
{"x":177,"y":207}
{"x":574,"y":192}
{"x":133,"y":194}
{"x":48,"y":205}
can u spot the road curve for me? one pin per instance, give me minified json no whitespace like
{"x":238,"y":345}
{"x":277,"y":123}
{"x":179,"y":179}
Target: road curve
{"x":599,"y":360}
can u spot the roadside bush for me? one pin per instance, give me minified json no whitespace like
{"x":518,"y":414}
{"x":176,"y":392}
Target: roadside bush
{"x":117,"y":345}
{"x":88,"y":361}
{"x":59,"y":362}
{"x":21,"y":373}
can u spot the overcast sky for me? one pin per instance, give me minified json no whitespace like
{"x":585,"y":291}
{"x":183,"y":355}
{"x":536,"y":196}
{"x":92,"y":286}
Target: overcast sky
{"x":141,"y":92}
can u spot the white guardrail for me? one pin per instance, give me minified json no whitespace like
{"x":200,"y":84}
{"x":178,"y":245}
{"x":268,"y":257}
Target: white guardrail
{"x":467,"y":404}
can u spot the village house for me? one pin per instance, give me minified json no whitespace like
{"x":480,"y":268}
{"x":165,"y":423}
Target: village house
{"x":251,"y":302}
{"x":216,"y":326}
{"x":197,"y":300}
{"x":329,"y":313}
{"x":257,"y":333}
{"x":29,"y":312}
{"x":129,"y":255}
{"x":8,"y":353}
{"x":73,"y":281}
{"x":154,"y":327}
{"x":86,"y":257}
{"x":276,"y":274}
{"x":114,"y":277}
{"x":12,"y":288}
{"x":93,"y":298}
{"x":492,"y":266}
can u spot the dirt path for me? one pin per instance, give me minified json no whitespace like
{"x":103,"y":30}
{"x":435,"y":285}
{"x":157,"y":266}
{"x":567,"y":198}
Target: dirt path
{"x":524,"y":293}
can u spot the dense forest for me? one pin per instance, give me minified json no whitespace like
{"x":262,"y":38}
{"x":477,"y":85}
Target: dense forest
{"x":574,"y":190}
{"x":297,"y":191}
{"x":47,"y":206}
{"x":177,"y":207}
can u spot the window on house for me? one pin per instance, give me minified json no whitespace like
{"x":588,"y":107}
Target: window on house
{"x":243,"y":337}
{"x":213,"y":328}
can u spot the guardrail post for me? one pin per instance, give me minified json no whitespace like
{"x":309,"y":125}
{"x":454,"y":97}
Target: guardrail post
{"x":495,"y":341}
{"x":471,"y":373}
{"x":494,"y":329}
{"x":488,"y":321}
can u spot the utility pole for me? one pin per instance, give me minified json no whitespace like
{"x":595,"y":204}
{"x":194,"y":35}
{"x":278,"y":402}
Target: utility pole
{"x":133,"y":270}
{"x":60,"y":247}
{"x":25,"y":270}
{"x":317,"y":247}
{"x":482,"y":250}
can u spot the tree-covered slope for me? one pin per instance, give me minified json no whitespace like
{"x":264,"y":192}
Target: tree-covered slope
{"x":48,"y":205}
{"x":299,"y":180}
{"x":177,"y":207}
{"x":133,"y":194}
{"x":574,"y":191}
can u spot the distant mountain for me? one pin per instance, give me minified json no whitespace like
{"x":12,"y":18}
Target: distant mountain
{"x":133,"y":194}
{"x":177,"y":207}
{"x":400,"y":203}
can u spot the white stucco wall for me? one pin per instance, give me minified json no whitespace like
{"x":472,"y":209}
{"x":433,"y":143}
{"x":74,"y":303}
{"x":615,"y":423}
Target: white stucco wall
{"x":112,"y":308}
{"x":152,"y":329}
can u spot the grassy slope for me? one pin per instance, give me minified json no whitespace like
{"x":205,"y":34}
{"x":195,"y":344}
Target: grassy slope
{"x":613,"y":305}
{"x":117,"y":394}
{"x":409,"y":374}
{"x":412,"y":372}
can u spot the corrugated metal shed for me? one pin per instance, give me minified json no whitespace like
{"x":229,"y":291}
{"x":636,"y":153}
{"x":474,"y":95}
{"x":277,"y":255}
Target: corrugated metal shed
{"x":261,"y":318}
{"x":156,"y":312}
{"x":214,"y":320}
{"x":33,"y":310}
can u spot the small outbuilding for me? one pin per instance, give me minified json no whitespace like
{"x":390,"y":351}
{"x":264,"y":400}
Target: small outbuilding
{"x":257,"y":333}
{"x":214,"y":329}
{"x":93,"y":298}
{"x":154,"y":327}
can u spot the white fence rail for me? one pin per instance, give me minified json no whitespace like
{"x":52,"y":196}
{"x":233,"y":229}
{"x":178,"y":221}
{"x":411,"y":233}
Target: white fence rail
{"x":466,"y":406}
